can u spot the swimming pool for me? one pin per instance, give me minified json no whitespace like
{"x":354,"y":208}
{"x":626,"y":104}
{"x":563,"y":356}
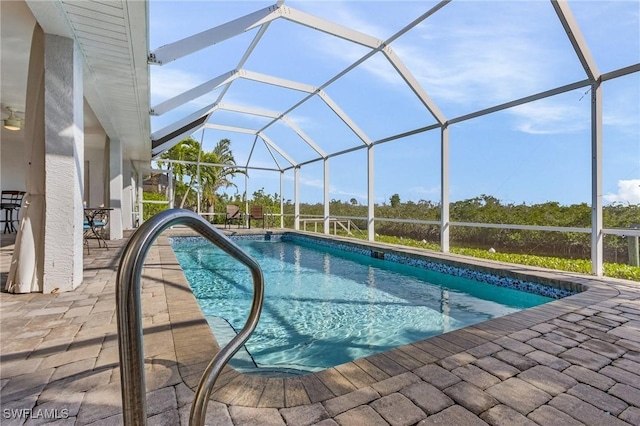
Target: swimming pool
{"x":325,"y":306}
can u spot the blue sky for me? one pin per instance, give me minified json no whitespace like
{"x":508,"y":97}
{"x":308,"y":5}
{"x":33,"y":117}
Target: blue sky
{"x":468,"y":56}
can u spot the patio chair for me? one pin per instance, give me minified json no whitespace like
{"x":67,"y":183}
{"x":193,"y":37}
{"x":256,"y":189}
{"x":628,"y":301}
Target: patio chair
{"x":256,"y":213}
{"x":95,"y":222}
{"x":233,"y":214}
{"x":10,"y":204}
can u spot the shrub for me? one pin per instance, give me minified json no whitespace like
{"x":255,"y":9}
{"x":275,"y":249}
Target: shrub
{"x":150,"y":210}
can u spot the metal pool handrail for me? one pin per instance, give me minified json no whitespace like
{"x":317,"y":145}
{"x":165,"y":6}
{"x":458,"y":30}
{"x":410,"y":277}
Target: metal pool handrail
{"x":132,"y":377}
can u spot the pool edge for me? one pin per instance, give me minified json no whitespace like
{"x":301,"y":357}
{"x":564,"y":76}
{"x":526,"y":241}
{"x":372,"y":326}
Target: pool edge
{"x":196,"y":345}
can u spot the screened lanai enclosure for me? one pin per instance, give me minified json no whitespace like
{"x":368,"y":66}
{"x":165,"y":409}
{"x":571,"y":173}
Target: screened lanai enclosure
{"x":509,"y":126}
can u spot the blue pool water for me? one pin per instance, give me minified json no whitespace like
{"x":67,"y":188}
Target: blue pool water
{"x":325,"y":307}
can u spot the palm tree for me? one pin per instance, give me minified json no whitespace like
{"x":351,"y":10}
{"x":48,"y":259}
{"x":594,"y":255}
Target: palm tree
{"x":187,"y":149}
{"x":212,"y":178}
{"x":215,"y":177}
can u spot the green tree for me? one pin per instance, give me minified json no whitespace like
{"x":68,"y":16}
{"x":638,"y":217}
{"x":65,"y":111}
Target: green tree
{"x":394,"y":200}
{"x":212,"y":178}
{"x":187,"y":149}
{"x":215,"y":177}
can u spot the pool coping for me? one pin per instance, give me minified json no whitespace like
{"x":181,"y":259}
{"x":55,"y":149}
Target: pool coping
{"x":195,"y":345}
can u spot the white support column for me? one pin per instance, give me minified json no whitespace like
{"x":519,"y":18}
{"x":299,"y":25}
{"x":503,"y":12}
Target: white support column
{"x":134,"y":194}
{"x":246,"y":198}
{"x":199,"y":198}
{"x":371,"y":206}
{"x":127,"y":196}
{"x":444,"y":189}
{"x":574,"y":34}
{"x":64,"y":164}
{"x":140,"y":196}
{"x":281,"y":200}
{"x":326,"y":197}
{"x":170,"y":183}
{"x":115,"y":189}
{"x":296,"y":198}
{"x":597,"y":238}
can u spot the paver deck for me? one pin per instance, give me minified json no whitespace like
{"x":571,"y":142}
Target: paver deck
{"x":571,"y":361}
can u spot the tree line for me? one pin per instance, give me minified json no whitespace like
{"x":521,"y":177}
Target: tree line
{"x":489,"y":209}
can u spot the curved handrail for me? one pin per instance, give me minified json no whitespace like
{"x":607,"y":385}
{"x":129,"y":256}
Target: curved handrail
{"x":132,"y":377}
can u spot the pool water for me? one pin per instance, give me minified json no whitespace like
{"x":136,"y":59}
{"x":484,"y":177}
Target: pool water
{"x":324,"y":307}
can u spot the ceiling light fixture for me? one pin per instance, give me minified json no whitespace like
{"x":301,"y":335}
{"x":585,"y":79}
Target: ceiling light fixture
{"x":12,"y":122}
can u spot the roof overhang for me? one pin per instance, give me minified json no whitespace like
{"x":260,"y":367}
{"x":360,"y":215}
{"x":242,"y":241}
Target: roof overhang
{"x":113,"y":39}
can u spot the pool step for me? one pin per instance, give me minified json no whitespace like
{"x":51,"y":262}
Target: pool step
{"x":242,"y":360}
{"x":224,"y":332}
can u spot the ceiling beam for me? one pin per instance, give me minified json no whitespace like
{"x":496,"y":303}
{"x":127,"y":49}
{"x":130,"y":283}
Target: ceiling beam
{"x":284,"y":155}
{"x":194,"y":93}
{"x":329,"y":27}
{"x":274,"y":115}
{"x":176,"y":50}
{"x":574,"y":34}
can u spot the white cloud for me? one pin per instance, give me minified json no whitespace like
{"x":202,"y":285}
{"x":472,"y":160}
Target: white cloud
{"x":348,"y":52}
{"x":475,"y":59}
{"x":424,"y":190}
{"x":549,"y":117}
{"x":619,"y":119}
{"x":302,"y":121}
{"x":342,"y":13}
{"x":468,"y":65}
{"x":476,"y":68}
{"x":167,"y":82}
{"x":621,"y":111}
{"x":628,"y":192}
{"x":314,"y":183}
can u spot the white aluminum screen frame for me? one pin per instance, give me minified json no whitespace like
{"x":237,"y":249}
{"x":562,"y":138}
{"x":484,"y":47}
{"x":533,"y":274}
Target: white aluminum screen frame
{"x":263,"y":17}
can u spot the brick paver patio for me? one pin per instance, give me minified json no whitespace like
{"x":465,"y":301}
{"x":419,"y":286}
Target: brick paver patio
{"x":569,"y":362}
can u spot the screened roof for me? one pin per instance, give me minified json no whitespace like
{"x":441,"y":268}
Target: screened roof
{"x":291,"y":83}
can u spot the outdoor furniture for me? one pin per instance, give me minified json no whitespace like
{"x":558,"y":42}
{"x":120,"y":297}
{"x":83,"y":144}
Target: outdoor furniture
{"x":233,"y":214}
{"x":10,"y":204}
{"x":256,"y":213}
{"x":95,"y":221}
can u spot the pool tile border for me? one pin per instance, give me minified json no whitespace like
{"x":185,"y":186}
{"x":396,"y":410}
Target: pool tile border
{"x":423,"y":261}
{"x":554,"y":289}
